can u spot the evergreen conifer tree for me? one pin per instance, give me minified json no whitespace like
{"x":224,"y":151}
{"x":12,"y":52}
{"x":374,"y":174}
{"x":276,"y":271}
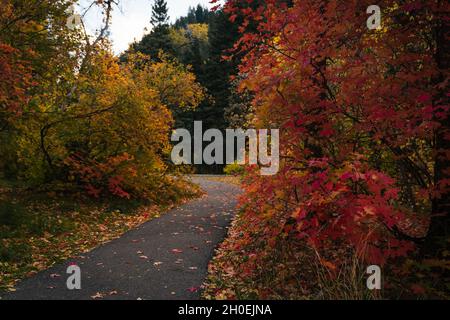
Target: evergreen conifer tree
{"x":159,"y":38}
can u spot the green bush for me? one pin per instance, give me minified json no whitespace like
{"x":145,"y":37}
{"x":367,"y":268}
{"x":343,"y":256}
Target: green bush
{"x":234,"y":169}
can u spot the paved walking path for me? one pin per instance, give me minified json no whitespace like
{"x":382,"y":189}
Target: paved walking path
{"x":165,"y":258}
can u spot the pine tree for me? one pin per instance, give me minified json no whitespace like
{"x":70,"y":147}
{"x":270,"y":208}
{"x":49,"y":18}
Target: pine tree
{"x":160,"y":16}
{"x":222,"y":36}
{"x":199,"y":14}
{"x":159,"y":38}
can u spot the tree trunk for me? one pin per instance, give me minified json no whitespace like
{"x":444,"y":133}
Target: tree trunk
{"x":440,"y":223}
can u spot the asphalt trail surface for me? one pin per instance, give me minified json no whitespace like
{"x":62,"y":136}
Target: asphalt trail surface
{"x":163,"y":259}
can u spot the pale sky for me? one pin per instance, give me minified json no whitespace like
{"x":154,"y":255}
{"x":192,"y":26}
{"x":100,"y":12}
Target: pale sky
{"x":129,"y":22}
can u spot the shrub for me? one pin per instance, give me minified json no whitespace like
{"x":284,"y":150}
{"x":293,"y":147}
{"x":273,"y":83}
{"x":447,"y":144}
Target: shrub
{"x":234,"y":169}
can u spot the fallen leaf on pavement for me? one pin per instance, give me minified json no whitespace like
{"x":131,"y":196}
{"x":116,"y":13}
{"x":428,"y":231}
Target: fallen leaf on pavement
{"x":98,"y":295}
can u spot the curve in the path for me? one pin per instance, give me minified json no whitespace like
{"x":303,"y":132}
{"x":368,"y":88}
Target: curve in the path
{"x":163,"y":259}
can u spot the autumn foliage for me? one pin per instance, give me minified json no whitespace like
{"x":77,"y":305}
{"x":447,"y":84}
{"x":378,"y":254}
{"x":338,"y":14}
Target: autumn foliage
{"x":361,"y":113}
{"x":72,"y":114}
{"x":14,"y":82}
{"x":363,"y":117}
